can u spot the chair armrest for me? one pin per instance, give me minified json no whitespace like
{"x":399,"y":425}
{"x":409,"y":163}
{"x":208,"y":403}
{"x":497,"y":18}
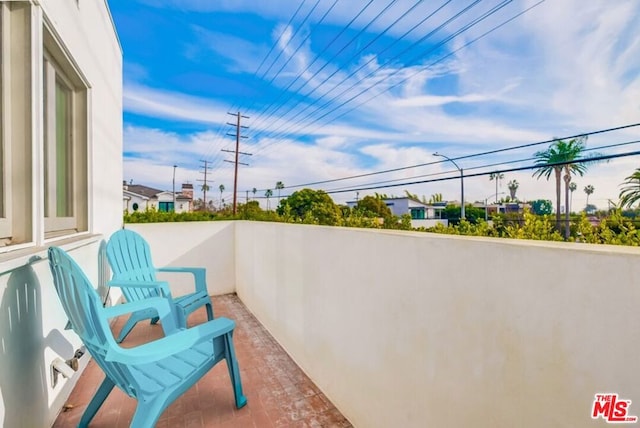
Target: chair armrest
{"x":165,"y":309}
{"x":171,"y":345}
{"x":199,"y":275}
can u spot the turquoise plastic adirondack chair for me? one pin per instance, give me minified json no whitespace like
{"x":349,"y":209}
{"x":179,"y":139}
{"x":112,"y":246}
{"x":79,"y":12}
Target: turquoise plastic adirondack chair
{"x":155,"y":373}
{"x":129,"y":256}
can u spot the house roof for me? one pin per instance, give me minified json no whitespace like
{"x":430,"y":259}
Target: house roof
{"x":146,"y":191}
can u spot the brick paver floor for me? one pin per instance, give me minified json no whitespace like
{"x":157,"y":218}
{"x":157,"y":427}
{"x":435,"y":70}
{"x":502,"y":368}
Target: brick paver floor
{"x":279,"y":394}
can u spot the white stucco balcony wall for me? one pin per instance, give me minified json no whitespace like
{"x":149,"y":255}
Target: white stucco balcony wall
{"x":414,"y":329}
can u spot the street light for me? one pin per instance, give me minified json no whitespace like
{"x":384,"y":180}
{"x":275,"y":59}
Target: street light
{"x":174,"y":187}
{"x":462,"y":216}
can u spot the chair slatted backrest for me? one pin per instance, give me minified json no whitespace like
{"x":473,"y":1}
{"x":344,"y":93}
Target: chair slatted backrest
{"x":130,"y":259}
{"x":82,"y":305}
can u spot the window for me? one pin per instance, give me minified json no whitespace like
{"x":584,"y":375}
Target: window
{"x":16,"y":131}
{"x":417,"y":213}
{"x":165,"y":206}
{"x":43,"y":132}
{"x":65,"y":141}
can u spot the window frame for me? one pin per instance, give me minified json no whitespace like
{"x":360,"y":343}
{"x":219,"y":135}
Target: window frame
{"x":57,"y":67}
{"x":5,"y":166}
{"x":18,"y":133}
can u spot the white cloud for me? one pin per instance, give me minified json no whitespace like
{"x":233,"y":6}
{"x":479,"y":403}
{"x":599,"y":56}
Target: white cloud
{"x":168,"y":104}
{"x":433,"y":100}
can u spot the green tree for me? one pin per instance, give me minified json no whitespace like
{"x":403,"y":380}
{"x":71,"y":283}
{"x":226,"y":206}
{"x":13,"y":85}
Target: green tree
{"x":541,"y":207}
{"x":279,"y":186}
{"x":588,"y":189}
{"x":496,"y":176}
{"x":268,"y":194}
{"x":472,"y":214}
{"x":311,"y":206}
{"x":630,"y":193}
{"x":561,"y":156}
{"x":370,"y":206}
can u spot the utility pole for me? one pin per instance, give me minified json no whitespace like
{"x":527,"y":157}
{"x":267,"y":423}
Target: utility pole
{"x":237,"y":153}
{"x":174,"y":188}
{"x":204,"y":185}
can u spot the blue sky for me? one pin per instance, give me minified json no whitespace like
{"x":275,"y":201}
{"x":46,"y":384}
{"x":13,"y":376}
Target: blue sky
{"x":336,"y":88}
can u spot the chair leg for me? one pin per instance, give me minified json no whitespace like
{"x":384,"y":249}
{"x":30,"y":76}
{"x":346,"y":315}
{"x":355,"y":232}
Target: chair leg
{"x":128,"y":326}
{"x":95,"y":403}
{"x":234,"y":372}
{"x":209,"y":311}
{"x":148,"y":412}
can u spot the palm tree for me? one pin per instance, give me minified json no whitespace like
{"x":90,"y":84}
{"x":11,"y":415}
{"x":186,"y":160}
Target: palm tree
{"x":630,"y":193}
{"x":513,"y":188}
{"x":588,"y":189}
{"x":436,"y":197}
{"x":572,"y":187}
{"x":497,"y":176}
{"x":254,"y":192}
{"x":279,"y":186}
{"x":221,"y":190}
{"x":205,"y":189}
{"x":268,"y":194}
{"x":557,"y":158}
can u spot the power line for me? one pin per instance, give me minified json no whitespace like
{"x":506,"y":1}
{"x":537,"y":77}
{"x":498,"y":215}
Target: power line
{"x":517,"y":161}
{"x":335,"y":38}
{"x":420,"y":70}
{"x":292,"y":37}
{"x":362,"y":30}
{"x":480,"y":174}
{"x":235,"y":106}
{"x":284,"y":29}
{"x":485,"y":153}
{"x":279,"y":131}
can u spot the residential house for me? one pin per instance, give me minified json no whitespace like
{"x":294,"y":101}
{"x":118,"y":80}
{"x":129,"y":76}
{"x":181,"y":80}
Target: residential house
{"x":422,"y":215}
{"x":137,"y":197}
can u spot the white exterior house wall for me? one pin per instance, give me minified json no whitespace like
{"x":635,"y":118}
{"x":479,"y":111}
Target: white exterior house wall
{"x":402,"y":206}
{"x":398,"y":206}
{"x":131,"y":198}
{"x":181,"y":205}
{"x":426,"y":223}
{"x":31,"y":319}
